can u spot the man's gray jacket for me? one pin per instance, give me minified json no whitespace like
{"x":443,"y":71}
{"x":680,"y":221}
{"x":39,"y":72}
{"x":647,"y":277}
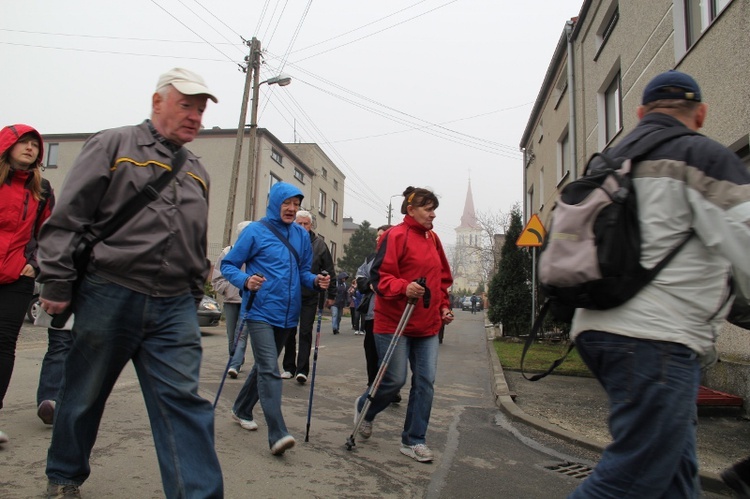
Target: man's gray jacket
{"x":161,"y":251}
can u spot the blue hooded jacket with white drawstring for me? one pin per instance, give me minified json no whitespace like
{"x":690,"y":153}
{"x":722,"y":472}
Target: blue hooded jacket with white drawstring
{"x":278,"y":301}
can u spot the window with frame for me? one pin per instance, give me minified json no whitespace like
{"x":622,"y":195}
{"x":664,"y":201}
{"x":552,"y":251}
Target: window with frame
{"x":324,"y":173}
{"x":541,"y":188}
{"x":612,"y":108}
{"x":530,"y":198}
{"x":563,"y":155}
{"x":50,"y":156}
{"x":607,"y":27}
{"x":322,"y":200}
{"x":334,"y":211}
{"x":699,"y":14}
{"x":276,"y":156}
{"x":299,"y":175}
{"x":272,"y":180}
{"x":333,"y":251}
{"x":335,"y":184}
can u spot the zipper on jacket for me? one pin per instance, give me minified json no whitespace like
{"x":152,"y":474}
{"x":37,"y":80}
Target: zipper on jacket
{"x":25,"y":205}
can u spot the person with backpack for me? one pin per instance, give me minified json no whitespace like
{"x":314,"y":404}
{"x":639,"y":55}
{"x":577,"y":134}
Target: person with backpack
{"x":407,"y":253}
{"x":367,"y":314}
{"x":474,"y":300}
{"x":271,"y":260}
{"x":232,"y":301}
{"x":26,"y":200}
{"x":342,"y":296}
{"x":647,"y":353}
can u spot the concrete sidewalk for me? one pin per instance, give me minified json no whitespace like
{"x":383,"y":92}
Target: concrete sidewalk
{"x":575,"y":409}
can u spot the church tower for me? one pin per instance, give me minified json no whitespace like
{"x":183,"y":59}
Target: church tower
{"x":466,"y":265}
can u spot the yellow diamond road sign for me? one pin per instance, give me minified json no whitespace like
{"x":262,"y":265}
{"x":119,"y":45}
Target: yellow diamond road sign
{"x":533,"y":234}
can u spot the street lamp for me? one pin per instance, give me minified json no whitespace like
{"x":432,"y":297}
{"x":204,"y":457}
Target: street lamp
{"x":390,"y":207}
{"x":251,"y":71}
{"x":282,"y":81}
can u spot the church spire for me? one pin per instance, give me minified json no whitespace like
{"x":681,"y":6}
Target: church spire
{"x":469,"y":217}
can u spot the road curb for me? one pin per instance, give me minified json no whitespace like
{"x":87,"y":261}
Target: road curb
{"x":504,"y":399}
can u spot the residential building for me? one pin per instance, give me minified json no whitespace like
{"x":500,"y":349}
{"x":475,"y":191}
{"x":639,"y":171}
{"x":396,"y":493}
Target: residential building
{"x":304,"y":165}
{"x":604,"y":58}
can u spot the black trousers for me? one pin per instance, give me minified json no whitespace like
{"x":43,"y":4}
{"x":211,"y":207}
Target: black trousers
{"x":371,"y":353}
{"x":14,"y":300}
{"x":298,"y":361}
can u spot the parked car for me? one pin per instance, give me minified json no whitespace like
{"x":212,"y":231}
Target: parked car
{"x":209,"y":312}
{"x":466,"y":304}
{"x":32,"y":311}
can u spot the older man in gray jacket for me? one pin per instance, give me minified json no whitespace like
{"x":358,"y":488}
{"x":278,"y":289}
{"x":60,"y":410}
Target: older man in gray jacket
{"x":138,"y":299}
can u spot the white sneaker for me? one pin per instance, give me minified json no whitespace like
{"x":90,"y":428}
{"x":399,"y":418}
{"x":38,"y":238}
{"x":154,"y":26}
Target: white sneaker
{"x":282,"y":444}
{"x":301,"y":378}
{"x":3,"y":438}
{"x":246,"y":424}
{"x":232,"y":372}
{"x":365,"y":429}
{"x":419,"y":452}
{"x":287,"y":375}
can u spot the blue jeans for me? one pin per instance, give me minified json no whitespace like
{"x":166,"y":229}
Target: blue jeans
{"x":652,"y":387}
{"x":422,"y":355}
{"x":231,"y":315}
{"x":336,"y":317}
{"x":114,"y":325}
{"x":59,"y":343}
{"x":264,"y":381}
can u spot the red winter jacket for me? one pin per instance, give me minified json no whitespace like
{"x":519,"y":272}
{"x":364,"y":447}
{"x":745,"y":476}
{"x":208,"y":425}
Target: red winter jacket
{"x":407,"y":252}
{"x":21,"y":216}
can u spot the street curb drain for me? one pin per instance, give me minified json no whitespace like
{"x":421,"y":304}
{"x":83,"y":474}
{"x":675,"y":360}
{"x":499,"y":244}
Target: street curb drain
{"x":574,"y":470}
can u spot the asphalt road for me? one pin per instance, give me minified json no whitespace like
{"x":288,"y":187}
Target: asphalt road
{"x":479,"y":452}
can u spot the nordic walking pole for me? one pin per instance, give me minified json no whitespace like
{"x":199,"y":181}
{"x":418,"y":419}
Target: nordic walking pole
{"x":410,"y":303}
{"x":237,"y":333}
{"x":321,"y":303}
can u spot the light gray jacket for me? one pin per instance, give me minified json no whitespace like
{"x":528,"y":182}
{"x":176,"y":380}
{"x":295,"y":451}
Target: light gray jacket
{"x":691,"y":183}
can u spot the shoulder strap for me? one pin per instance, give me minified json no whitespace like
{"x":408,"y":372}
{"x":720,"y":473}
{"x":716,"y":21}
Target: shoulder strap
{"x":140,"y":200}
{"x":651,"y":141}
{"x":281,"y":237}
{"x":530,"y":340}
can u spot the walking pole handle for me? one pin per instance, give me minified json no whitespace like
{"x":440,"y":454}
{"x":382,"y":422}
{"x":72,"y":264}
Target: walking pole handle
{"x":422,"y":281}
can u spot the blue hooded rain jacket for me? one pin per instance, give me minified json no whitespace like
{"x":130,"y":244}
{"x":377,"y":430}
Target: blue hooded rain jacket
{"x":278,"y":301}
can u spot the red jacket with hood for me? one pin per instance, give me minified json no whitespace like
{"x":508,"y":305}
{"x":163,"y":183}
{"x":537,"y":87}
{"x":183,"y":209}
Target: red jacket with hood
{"x":21,"y":216}
{"x":407,"y":252}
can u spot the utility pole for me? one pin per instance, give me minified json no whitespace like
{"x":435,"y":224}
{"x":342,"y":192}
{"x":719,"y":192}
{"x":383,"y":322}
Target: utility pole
{"x":390,"y":212}
{"x":232,"y":195}
{"x":250,"y":194}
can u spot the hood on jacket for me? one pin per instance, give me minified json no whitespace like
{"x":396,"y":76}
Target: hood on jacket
{"x":280,"y":192}
{"x":10,"y":134}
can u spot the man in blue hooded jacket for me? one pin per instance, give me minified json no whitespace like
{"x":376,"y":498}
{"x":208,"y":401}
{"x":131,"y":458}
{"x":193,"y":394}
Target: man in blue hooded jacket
{"x":277,"y":255}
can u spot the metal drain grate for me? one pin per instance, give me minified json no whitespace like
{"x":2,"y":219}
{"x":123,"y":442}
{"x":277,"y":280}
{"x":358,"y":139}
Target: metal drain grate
{"x":574,"y":470}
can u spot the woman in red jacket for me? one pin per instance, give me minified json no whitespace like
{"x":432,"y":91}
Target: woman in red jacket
{"x":405,"y":253}
{"x":25,"y":203}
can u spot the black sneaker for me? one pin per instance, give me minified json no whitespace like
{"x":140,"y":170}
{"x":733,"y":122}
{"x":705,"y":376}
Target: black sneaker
{"x":396,"y":398}
{"x":735,"y":481}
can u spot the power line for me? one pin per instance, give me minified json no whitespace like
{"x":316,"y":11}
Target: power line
{"x":192,"y":30}
{"x":377,"y":32}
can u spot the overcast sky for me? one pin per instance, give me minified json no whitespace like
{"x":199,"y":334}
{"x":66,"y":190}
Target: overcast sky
{"x":429,"y":93}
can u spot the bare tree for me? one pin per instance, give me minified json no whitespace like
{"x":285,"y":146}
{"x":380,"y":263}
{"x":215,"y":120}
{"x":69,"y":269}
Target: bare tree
{"x":494,"y":225}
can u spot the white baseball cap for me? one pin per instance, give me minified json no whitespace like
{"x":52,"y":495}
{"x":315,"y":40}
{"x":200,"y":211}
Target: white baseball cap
{"x":186,"y":82}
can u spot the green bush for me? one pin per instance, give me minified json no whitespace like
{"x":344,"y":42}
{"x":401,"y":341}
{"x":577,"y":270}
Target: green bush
{"x":539,"y":357}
